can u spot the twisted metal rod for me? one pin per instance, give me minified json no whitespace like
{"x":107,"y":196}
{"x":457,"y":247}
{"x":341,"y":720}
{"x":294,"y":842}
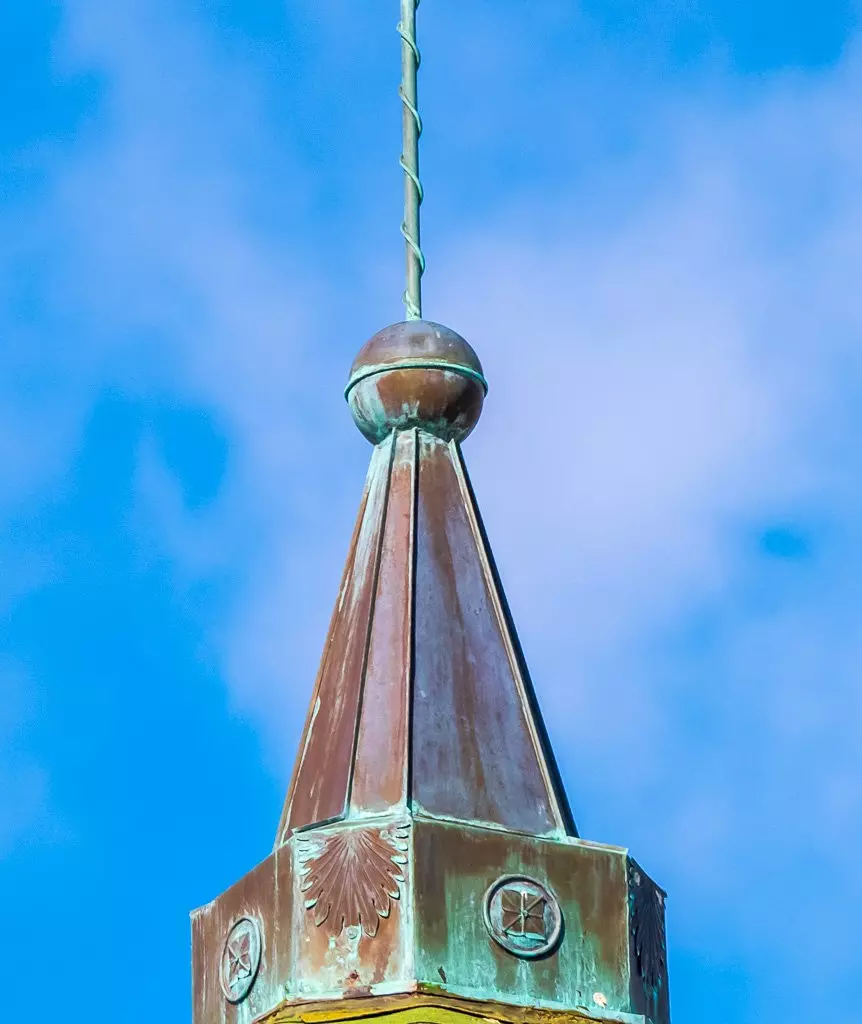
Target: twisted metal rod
{"x":411,"y":130}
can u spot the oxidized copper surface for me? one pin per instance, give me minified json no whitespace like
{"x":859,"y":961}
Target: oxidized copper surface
{"x":264,"y":897}
{"x":321,"y":789}
{"x":284,"y":823}
{"x":240,"y":959}
{"x":354,"y":948}
{"x":380,"y":775}
{"x":416,"y":374}
{"x":476,"y":752}
{"x":350,"y":877}
{"x":413,"y":340}
{"x":523,"y":916}
{"x":454,"y":866}
{"x":421,"y":670}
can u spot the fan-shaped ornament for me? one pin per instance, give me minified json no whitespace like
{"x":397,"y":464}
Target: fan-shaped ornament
{"x":350,"y":877}
{"x":648,"y":927}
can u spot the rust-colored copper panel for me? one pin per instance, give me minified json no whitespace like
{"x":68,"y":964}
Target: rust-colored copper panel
{"x":283,"y":826}
{"x":474,"y":754}
{"x":380,"y":772}
{"x":545,"y":752}
{"x":252,"y":898}
{"x":322,"y":776}
{"x":352,"y":909}
{"x":283,"y":953}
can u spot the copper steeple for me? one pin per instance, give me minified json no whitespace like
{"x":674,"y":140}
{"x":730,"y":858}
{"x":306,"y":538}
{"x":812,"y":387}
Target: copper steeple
{"x":422,"y":704}
{"x":426,"y":866}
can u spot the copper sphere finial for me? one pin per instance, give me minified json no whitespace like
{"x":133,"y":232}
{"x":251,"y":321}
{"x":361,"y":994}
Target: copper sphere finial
{"x":416,"y":374}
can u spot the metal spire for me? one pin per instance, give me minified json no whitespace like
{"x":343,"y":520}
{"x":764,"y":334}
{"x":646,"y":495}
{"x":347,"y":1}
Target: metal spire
{"x":426,"y":867}
{"x":411,"y":130}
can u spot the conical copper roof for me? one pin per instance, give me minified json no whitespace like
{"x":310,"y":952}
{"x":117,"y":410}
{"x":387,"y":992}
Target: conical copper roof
{"x":422,"y":701}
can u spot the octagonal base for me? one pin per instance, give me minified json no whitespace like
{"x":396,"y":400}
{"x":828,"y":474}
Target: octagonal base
{"x":397,"y":906}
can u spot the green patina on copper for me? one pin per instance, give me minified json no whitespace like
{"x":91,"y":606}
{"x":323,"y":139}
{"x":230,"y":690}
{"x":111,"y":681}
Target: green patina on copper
{"x":454,"y":864}
{"x":416,"y":374}
{"x":411,"y":131}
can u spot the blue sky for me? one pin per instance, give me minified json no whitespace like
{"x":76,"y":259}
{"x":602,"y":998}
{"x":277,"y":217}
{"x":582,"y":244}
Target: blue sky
{"x":647,"y":218}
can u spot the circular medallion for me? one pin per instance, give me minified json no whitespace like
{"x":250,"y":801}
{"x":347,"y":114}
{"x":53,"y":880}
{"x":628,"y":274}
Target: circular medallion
{"x":240,"y":959}
{"x":523,"y":916}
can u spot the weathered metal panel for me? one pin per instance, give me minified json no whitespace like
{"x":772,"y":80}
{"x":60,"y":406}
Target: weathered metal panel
{"x":284,"y":823}
{"x":263,"y":896}
{"x":547,"y":760}
{"x":454,"y":868}
{"x":474,"y":757}
{"x":321,"y":789}
{"x":380,"y":774}
{"x":353,"y":910}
